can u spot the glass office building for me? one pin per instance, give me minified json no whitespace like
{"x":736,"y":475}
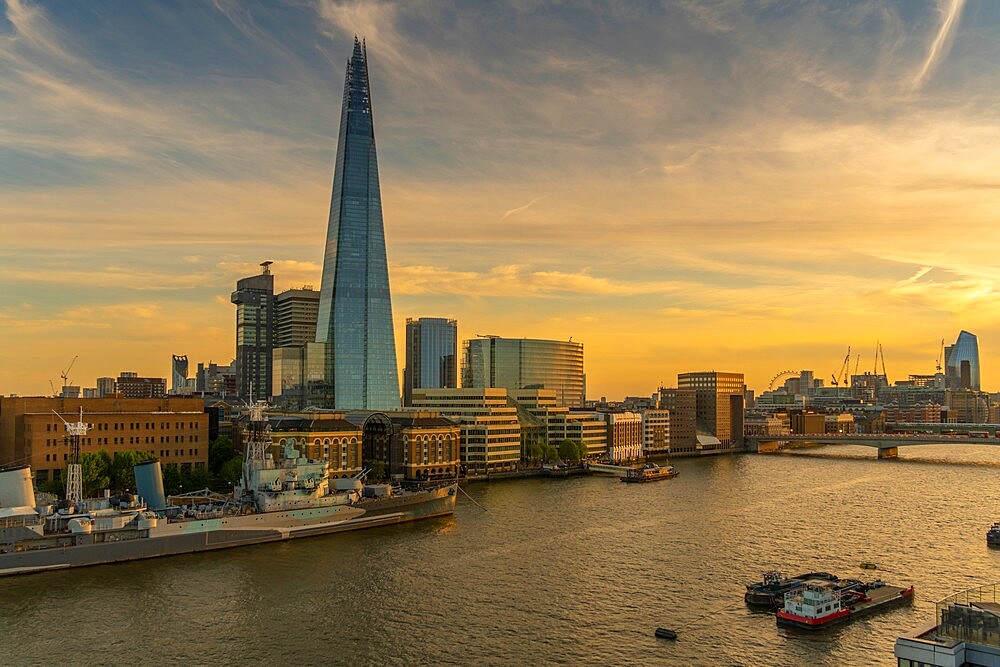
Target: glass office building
{"x":431,"y":355}
{"x":355,"y":313}
{"x":254,"y":299}
{"x":526,"y":363}
{"x":962,"y":362}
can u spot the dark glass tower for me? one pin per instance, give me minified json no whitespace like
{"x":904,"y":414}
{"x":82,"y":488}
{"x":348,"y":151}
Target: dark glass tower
{"x":962,"y":362}
{"x":355,"y":313}
{"x":431,"y":355}
{"x":254,"y":299}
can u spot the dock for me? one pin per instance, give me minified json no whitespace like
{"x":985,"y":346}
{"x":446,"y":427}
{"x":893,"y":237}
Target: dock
{"x":881,"y":598}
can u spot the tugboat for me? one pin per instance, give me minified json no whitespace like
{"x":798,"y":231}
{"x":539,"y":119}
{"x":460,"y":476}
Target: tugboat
{"x":770,"y":592}
{"x":649,"y":473}
{"x":819,"y":604}
{"x":993,"y":535}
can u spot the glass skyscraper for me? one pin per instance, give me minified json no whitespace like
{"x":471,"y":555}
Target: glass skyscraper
{"x":254,"y":299}
{"x":962,"y":362}
{"x":526,"y":363}
{"x":355,"y":313}
{"x":431,"y":355}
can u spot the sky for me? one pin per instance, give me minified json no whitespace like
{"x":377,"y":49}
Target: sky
{"x":682,"y":186}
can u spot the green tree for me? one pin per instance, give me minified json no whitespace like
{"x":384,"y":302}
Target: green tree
{"x":220,"y":451}
{"x":172,"y":480}
{"x":122,"y":471}
{"x":550,"y":454}
{"x":230,"y":473}
{"x":376,"y":471}
{"x":197,"y":478}
{"x":582,"y":449}
{"x":96,"y":472}
{"x":568,"y":451}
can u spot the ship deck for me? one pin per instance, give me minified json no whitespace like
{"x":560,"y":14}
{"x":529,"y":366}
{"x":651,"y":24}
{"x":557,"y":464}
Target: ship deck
{"x":880,"y":597}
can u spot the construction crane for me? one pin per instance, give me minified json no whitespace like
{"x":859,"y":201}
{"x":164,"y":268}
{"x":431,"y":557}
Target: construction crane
{"x":845,"y":368}
{"x":880,"y":353}
{"x":940,"y":357}
{"x":65,"y":374}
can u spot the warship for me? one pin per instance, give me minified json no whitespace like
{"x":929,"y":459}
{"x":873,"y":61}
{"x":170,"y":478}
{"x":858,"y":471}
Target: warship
{"x":276,"y":499}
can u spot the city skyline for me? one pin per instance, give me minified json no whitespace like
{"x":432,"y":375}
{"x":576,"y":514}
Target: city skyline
{"x":542,"y":179}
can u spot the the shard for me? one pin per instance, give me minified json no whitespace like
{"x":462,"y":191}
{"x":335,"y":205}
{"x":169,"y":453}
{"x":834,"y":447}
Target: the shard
{"x":355,"y":312}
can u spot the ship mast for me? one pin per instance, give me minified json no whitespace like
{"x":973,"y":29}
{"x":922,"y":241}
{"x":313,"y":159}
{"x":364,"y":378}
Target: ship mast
{"x":74,"y":471}
{"x":258,"y":441}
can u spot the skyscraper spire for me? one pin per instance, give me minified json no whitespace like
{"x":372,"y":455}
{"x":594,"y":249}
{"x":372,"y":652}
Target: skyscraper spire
{"x":355,"y":310}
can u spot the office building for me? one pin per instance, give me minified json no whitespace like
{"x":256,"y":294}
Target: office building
{"x":295,"y":313}
{"x":682,"y":405}
{"x":106,"y":387}
{"x":431,"y":355}
{"x":526,"y":363}
{"x":355,"y":310}
{"x":327,"y":436}
{"x":299,"y":376}
{"x":490,"y":429}
{"x":130,"y":385}
{"x":254,"y":299}
{"x":540,"y":408}
{"x":718,"y":404}
{"x":655,"y":432}
{"x":625,"y":436}
{"x":961,"y":362}
{"x":33,"y":430}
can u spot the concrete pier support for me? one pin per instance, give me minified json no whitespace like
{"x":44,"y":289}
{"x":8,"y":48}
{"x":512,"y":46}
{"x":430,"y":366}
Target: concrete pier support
{"x":888,"y":452}
{"x":768,"y":447}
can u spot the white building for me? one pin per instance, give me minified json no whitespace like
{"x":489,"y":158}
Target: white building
{"x":655,"y":432}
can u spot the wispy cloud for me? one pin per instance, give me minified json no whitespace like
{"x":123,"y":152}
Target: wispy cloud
{"x":512,"y":211}
{"x":951,"y":14}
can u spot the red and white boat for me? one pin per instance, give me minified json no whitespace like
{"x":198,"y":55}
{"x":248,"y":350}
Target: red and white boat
{"x":819,"y":604}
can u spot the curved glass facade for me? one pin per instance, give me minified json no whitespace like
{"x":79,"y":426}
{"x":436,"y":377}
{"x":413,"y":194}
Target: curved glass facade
{"x":526,"y":363}
{"x":355,"y":312}
{"x":962,"y":362}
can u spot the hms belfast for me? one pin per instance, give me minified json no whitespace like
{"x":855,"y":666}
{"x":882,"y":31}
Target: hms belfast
{"x":278,"y":498}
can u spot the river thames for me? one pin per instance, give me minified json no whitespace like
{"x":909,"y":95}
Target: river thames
{"x":573,"y":571}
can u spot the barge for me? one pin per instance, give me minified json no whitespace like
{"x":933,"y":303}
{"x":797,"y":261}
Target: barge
{"x":819,"y":604}
{"x":770,"y":592}
{"x":993,"y":535}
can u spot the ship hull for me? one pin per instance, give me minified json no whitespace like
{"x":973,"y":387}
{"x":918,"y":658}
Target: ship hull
{"x":225,"y":533}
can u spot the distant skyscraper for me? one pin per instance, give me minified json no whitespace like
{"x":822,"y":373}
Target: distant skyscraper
{"x":526,"y":363}
{"x":105,"y":387}
{"x":295,"y":312}
{"x":254,"y":299}
{"x":962,"y":362}
{"x":355,"y":312}
{"x":431,"y":355}
{"x":178,"y":373}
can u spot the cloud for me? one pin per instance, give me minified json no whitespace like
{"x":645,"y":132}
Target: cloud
{"x":512,"y":211}
{"x":951,"y":11}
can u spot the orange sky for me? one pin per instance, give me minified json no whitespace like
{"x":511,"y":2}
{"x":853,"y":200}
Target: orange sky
{"x":684,"y":188}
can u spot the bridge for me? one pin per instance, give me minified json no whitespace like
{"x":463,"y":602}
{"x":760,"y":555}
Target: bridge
{"x":888,"y":444}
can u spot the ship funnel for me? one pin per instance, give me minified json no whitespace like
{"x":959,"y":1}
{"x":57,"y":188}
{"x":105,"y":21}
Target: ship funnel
{"x":15,"y":487}
{"x":149,"y":484}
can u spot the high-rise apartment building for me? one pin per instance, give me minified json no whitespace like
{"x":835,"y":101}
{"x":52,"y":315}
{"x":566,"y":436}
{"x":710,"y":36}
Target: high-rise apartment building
{"x":178,"y":373}
{"x":431,"y":355}
{"x":526,"y":363}
{"x":718,"y":404}
{"x":295,"y":313}
{"x":105,"y":387}
{"x":355,"y":310}
{"x":254,"y":299}
{"x":961,"y":362}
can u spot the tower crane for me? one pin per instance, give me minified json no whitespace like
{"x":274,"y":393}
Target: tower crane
{"x":65,"y":374}
{"x":845,"y":368}
{"x":940,"y":357}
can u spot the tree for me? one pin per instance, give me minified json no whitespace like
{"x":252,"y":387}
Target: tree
{"x":96,"y":471}
{"x":568,"y":451}
{"x":376,"y":471}
{"x":582,"y":449}
{"x":197,"y":478}
{"x":220,"y":451}
{"x":172,"y":481}
{"x":122,"y":471}
{"x":230,"y":473}
{"x":550,"y":454}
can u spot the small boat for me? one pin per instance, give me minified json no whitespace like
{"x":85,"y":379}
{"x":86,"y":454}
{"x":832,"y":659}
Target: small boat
{"x":665,"y":633}
{"x":649,"y":473}
{"x":770,"y":592}
{"x":868,"y":565}
{"x":993,"y":535}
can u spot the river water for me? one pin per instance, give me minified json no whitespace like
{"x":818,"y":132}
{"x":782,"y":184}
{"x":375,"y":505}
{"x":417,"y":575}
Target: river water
{"x":573,"y":571}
